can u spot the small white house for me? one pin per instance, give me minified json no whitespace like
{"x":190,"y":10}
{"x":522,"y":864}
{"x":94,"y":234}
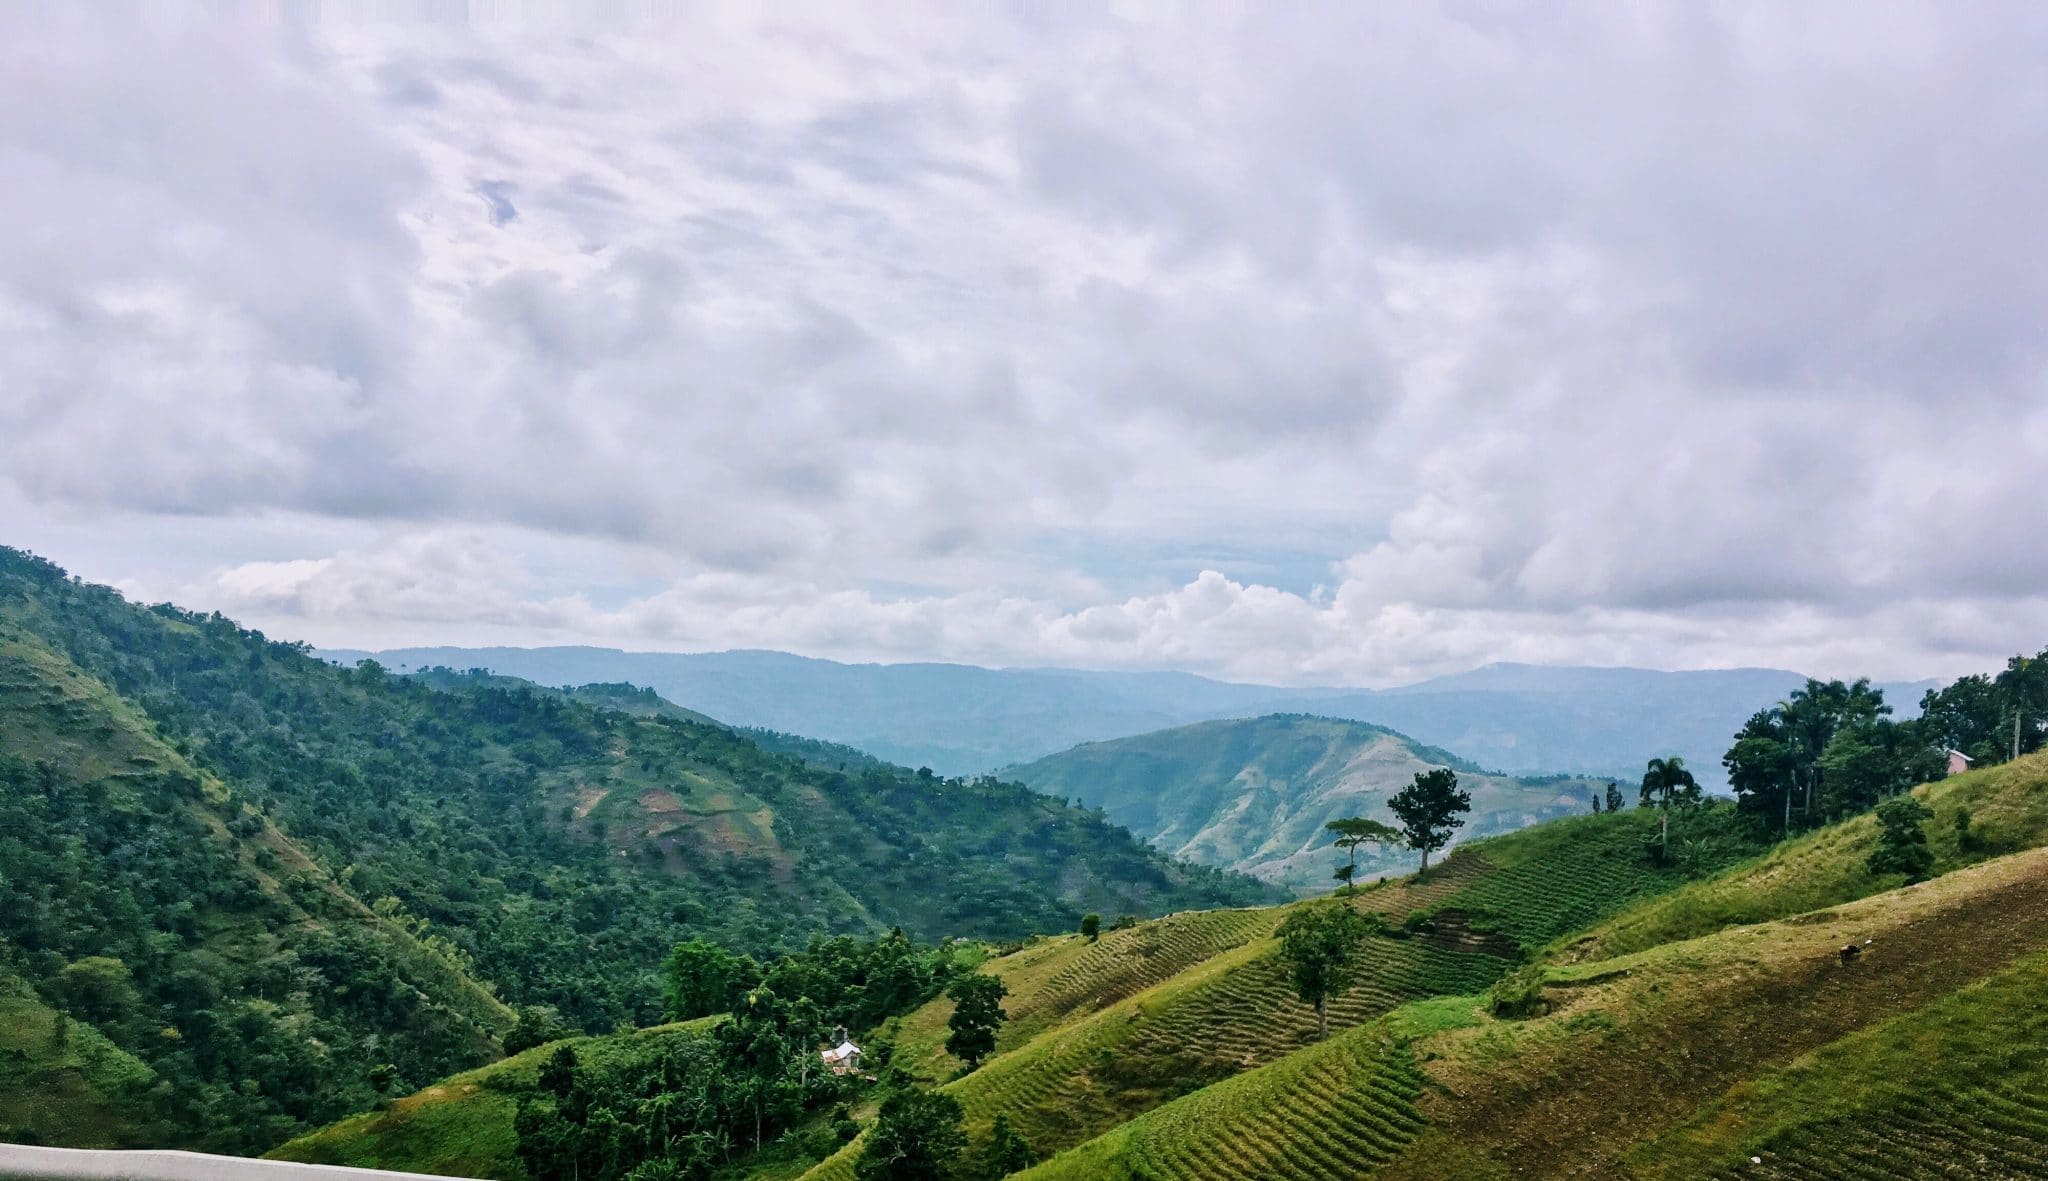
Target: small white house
{"x":843,"y":1058}
{"x":1958,"y":762}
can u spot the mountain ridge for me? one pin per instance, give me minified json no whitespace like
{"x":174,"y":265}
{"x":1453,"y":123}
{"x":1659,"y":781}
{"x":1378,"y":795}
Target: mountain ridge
{"x":1522,"y":719}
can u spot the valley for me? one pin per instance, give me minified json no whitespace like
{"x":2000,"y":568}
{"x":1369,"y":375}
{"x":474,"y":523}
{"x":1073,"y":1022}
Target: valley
{"x":426,"y":923}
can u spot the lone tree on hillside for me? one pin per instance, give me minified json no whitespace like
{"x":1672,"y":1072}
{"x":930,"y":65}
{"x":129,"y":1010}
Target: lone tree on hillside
{"x":1353,"y":831}
{"x":1007,"y":1151}
{"x":1614,"y":797}
{"x":977,"y":1014}
{"x":1320,"y":943}
{"x":1091,"y":927}
{"x":1901,"y":841}
{"x":917,"y":1137}
{"x":1430,"y":810}
{"x":1667,"y":782}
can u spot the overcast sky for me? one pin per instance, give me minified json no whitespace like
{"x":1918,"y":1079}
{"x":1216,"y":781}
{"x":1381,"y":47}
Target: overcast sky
{"x":1336,"y":344}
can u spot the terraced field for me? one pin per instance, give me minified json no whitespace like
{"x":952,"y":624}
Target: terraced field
{"x":1639,"y":1048}
{"x":1546,"y":883}
{"x":1984,"y":1134}
{"x":1328,"y":1113}
{"x":1231,"y":1014}
{"x":1956,"y":1089}
{"x":1125,"y":963}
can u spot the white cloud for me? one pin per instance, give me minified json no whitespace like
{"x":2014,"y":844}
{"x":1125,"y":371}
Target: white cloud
{"x":1660,"y":334}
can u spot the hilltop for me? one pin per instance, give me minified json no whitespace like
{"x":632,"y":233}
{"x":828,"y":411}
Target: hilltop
{"x":273,"y":876}
{"x":1254,"y":795}
{"x":961,"y":719}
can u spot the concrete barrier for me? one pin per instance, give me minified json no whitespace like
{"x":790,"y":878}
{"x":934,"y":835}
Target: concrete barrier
{"x":22,"y":1162}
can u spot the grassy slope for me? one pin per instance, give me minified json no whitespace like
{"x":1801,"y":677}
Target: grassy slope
{"x":1640,"y":1043}
{"x":1962,"y":1083}
{"x":1133,"y":1030}
{"x":462,"y":1126}
{"x":1253,"y":794}
{"x":2009,"y":812}
{"x":1750,"y":1041}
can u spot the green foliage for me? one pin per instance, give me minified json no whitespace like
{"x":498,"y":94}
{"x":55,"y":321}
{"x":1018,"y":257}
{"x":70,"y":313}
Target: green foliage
{"x":700,"y":978}
{"x":977,"y":1016}
{"x":1320,"y":943}
{"x":227,"y":816}
{"x":1902,"y":839}
{"x":1353,"y":831}
{"x":917,"y":1137}
{"x":1830,"y":750}
{"x":537,"y":1025}
{"x":1007,"y":1151}
{"x":1430,"y":809}
{"x":1091,"y":927}
{"x":1518,"y":995}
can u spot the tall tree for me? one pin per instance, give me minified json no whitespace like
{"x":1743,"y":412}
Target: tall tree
{"x":1353,"y":831}
{"x":1430,"y":810}
{"x":977,"y":1015}
{"x":1666,"y":782}
{"x":916,"y":1137}
{"x":1320,"y":943}
{"x":1614,"y":796}
{"x":700,"y":978}
{"x":1902,"y":839}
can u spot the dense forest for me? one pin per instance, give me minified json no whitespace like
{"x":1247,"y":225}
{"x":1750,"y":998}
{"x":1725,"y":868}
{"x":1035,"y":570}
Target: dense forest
{"x":284,"y":885}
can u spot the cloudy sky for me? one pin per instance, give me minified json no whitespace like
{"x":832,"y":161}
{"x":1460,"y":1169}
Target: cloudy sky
{"x":1334,"y":344}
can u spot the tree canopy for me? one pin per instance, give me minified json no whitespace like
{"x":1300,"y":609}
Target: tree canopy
{"x":1320,"y":943}
{"x":1430,"y":810}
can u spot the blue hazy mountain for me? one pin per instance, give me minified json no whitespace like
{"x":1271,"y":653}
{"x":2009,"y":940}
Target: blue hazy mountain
{"x":960,"y":719}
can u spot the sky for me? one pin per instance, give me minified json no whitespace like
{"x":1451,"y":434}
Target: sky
{"x":1305,"y":343}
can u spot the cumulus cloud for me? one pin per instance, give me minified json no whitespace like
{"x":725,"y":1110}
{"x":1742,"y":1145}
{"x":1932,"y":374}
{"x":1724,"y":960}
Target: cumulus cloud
{"x":1330,"y":342}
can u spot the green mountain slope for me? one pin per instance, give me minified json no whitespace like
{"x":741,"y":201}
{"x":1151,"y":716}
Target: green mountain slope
{"x":1175,"y":1048}
{"x":1106,"y":1032}
{"x":247,"y":991}
{"x":1755,"y":1050}
{"x":306,"y":871}
{"x":1254,"y":794}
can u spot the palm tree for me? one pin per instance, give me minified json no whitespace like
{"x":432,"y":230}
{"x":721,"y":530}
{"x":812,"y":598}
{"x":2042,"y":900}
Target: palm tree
{"x":1666,"y":781}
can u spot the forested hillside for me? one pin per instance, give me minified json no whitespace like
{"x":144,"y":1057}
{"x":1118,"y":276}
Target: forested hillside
{"x":1254,"y":795}
{"x":264,"y":877}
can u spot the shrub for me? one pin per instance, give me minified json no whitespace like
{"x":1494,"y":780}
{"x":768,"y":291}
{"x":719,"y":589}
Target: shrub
{"x":1519,"y":995}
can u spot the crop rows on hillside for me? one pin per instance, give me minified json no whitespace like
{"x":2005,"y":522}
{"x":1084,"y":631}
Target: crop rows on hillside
{"x":1571,"y":885}
{"x":1326,"y":1114}
{"x":1124,"y":963}
{"x":1982,"y":1134}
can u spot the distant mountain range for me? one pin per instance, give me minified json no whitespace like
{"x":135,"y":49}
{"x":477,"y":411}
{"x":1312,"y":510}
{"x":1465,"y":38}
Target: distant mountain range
{"x":1254,"y":794}
{"x":960,"y":719}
